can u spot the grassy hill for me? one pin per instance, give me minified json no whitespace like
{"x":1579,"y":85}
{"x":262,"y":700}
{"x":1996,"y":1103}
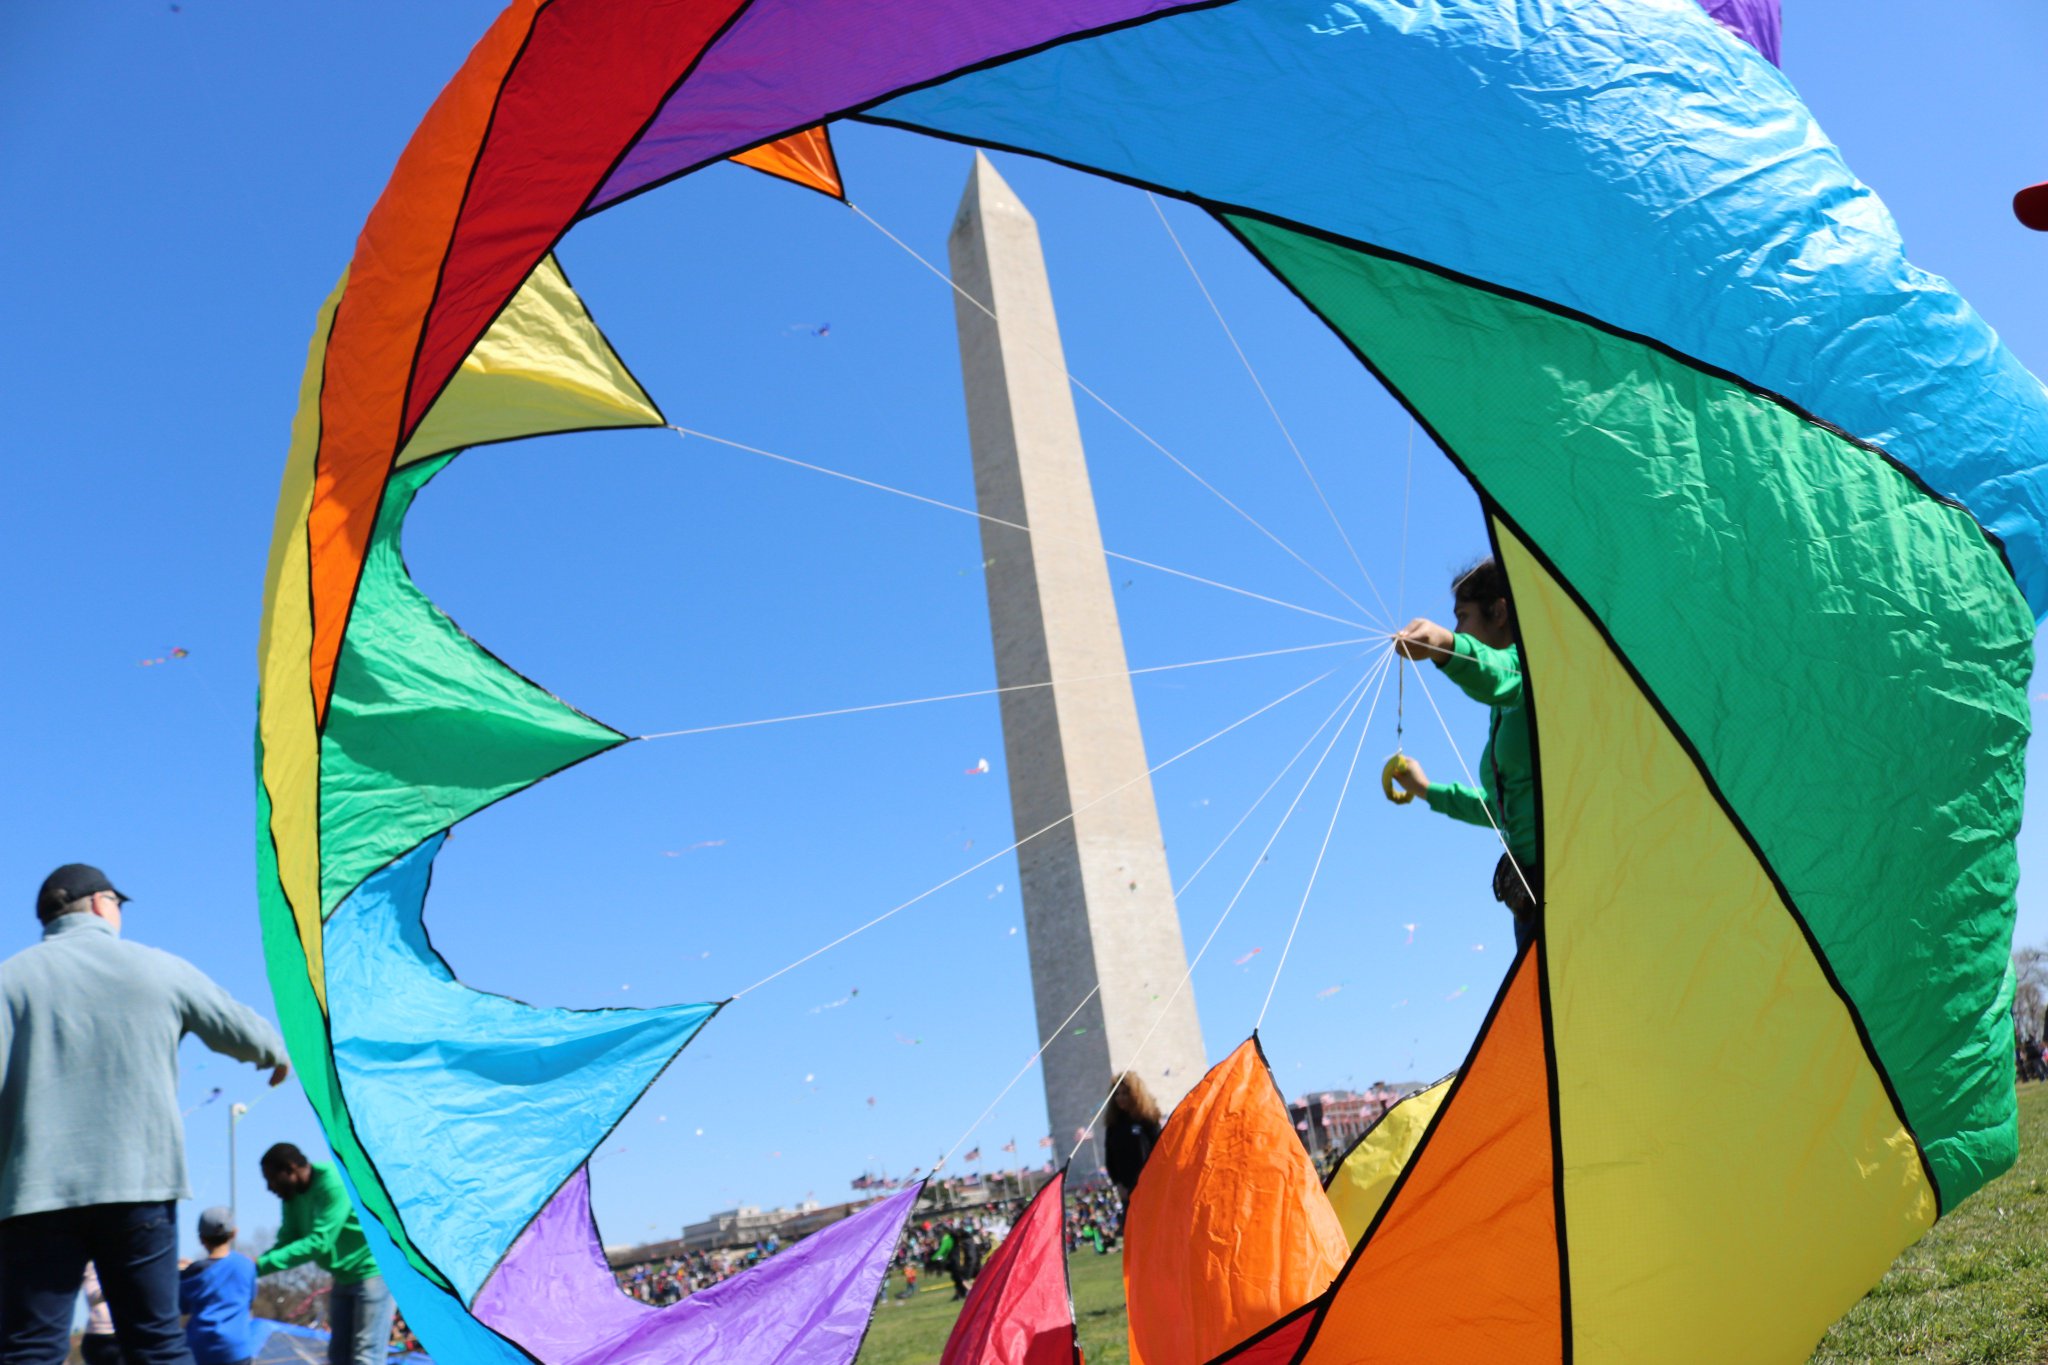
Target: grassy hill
{"x":1974,"y":1291}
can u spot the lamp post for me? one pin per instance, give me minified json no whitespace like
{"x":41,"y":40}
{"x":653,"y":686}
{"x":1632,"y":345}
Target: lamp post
{"x":235,"y":1112}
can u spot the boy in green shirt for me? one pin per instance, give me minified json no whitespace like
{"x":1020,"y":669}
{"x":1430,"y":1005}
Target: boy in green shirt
{"x":1483,"y":660}
{"x":319,"y":1225}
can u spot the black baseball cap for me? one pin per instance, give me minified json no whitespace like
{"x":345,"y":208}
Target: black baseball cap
{"x":73,"y":881}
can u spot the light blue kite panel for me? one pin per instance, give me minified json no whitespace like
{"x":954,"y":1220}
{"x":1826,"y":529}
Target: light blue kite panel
{"x":474,"y":1108}
{"x":1599,"y":154}
{"x":431,"y":1311}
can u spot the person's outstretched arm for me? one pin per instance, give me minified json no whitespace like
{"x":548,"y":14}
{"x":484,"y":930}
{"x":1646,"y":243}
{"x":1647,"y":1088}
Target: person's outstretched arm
{"x":1460,"y":802}
{"x":225,"y":1024}
{"x":330,"y":1214}
{"x":1489,"y":676}
{"x":1455,"y":799}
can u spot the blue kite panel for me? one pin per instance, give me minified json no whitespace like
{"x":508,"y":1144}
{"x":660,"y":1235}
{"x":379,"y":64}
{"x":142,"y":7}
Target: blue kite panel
{"x":430,"y":1311}
{"x":474,"y":1108}
{"x":1599,"y":154}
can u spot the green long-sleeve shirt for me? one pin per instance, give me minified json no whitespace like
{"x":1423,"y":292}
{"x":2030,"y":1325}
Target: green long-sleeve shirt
{"x":319,"y":1225}
{"x":1493,"y":678}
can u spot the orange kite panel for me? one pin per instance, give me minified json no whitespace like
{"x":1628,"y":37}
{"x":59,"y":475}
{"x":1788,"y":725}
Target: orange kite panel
{"x":1464,"y":1266}
{"x":369,"y":352}
{"x":1229,"y":1229}
{"x":804,"y":157}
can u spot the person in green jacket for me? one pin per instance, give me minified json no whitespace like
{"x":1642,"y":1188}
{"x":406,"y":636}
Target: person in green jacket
{"x":319,"y":1226}
{"x":1481,"y":657}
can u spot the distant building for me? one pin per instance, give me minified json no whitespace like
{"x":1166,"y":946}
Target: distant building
{"x":1331,"y":1120}
{"x":748,"y":1224}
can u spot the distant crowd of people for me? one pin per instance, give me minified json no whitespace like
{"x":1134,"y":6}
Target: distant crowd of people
{"x":2030,"y":1057}
{"x":674,"y":1278}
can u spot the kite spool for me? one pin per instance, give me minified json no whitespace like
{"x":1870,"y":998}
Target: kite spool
{"x":1395,"y":765}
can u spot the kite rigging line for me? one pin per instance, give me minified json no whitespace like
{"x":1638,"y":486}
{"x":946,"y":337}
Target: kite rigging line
{"x":1364,"y":679}
{"x":687,"y":432}
{"x":923,"y":895}
{"x":1104,"y":403}
{"x":998,"y":691}
{"x":1356,"y":696}
{"x":1267,"y":399}
{"x":1061,"y":1028}
{"x":1329,"y":831}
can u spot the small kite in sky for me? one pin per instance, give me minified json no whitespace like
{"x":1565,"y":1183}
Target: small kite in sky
{"x":1327,"y":992}
{"x":1411,"y":933}
{"x":978,"y":769}
{"x":1458,"y":992}
{"x":170,"y":657}
{"x":701,"y":843}
{"x":1239,"y":962}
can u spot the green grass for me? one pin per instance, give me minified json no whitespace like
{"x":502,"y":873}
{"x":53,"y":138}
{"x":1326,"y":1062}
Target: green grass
{"x":1974,"y":1291}
{"x":913,"y":1332}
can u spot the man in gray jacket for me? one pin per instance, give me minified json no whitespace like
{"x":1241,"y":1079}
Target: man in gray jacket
{"x":92,"y":1148}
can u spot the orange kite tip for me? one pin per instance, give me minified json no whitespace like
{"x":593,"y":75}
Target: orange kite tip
{"x":804,"y":157}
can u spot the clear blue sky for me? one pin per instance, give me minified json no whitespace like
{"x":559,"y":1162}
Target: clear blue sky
{"x":183,"y":187}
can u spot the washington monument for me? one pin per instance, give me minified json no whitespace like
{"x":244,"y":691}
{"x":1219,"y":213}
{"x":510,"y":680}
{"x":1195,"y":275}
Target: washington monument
{"x":1098,"y":901}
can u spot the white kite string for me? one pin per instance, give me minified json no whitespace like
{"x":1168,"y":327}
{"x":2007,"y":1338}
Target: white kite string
{"x":1179,"y":891}
{"x":1021,"y":1072}
{"x":1267,"y":399}
{"x":1358,"y":692}
{"x":1104,"y":403}
{"x":999,"y":521}
{"x":998,"y":691}
{"x":1316,"y":871}
{"x":922,"y":895}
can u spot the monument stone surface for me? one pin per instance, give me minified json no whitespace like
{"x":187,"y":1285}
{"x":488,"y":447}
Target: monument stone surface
{"x":1098,"y":899}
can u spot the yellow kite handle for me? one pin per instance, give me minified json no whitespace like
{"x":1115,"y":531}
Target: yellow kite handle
{"x":1398,"y":796}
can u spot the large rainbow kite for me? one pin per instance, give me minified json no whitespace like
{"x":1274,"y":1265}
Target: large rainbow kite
{"x":1772,"y":503}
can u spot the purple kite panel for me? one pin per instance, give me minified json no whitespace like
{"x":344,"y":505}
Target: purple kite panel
{"x":788,"y":64}
{"x":809,"y":1305}
{"x":1756,"y":20}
